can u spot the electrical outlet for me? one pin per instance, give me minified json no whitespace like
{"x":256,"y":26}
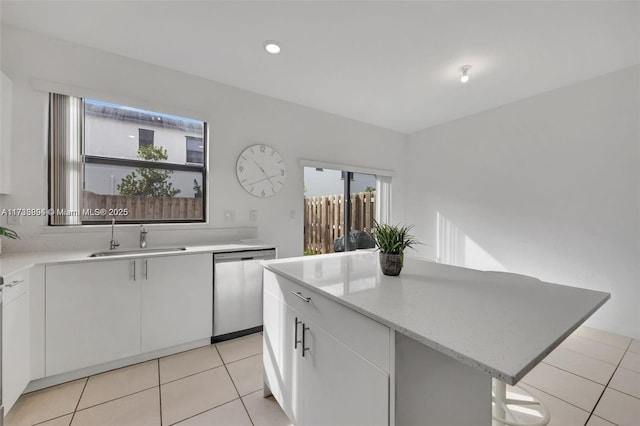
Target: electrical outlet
{"x":253,"y":215}
{"x":229,"y":215}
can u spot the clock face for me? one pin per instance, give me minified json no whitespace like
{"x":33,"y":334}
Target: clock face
{"x":261,"y":170}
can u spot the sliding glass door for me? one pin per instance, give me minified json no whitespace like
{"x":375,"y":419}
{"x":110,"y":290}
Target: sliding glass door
{"x":339,"y":210}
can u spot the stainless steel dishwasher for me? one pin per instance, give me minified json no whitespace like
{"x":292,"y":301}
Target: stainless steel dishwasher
{"x":237,"y":293}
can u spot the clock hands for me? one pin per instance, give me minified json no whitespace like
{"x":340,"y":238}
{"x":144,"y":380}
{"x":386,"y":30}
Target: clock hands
{"x":268,"y":177}
{"x":265,"y":173}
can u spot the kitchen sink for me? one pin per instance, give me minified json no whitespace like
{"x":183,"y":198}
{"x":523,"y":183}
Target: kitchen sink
{"x":136,"y":251}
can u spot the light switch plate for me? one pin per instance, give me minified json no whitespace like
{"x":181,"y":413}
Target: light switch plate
{"x":253,"y":215}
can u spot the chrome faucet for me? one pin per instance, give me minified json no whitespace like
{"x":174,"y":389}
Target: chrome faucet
{"x":113,"y":244}
{"x":143,"y":237}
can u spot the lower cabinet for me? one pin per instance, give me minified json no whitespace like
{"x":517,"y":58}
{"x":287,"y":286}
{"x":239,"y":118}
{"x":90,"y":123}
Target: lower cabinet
{"x":281,"y":357}
{"x":176,"y":300}
{"x":102,"y":311}
{"x":340,"y":387}
{"x":15,"y":338}
{"x":92,"y":314}
{"x":317,"y":378}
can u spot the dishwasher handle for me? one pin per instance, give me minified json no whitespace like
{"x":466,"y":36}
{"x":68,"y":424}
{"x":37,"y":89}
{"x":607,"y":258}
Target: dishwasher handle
{"x":244,"y":256}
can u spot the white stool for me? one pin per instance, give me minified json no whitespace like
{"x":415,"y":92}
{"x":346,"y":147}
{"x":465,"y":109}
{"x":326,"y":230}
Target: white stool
{"x":501,"y":406}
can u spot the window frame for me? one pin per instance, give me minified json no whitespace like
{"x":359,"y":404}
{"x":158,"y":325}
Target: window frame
{"x":200,"y":168}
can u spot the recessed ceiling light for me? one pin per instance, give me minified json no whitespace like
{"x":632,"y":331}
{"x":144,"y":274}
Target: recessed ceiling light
{"x":132,"y":137}
{"x":272,"y":46}
{"x":465,"y":73}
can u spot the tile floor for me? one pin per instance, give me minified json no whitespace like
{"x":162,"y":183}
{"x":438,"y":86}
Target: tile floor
{"x":219,"y":384}
{"x":592,"y":378}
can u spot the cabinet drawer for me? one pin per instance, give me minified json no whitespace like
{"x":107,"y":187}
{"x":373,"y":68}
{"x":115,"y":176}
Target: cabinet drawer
{"x":19,"y":287}
{"x":365,"y":336}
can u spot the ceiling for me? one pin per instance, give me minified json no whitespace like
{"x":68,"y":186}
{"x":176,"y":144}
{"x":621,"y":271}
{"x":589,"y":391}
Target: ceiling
{"x":392,"y":64}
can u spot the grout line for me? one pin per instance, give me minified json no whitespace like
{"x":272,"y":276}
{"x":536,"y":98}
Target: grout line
{"x":604,"y":343}
{"x":191,"y":375}
{"x":236,"y":388}
{"x":623,"y":392}
{"x":576,"y":374}
{"x":607,"y":385}
{"x":55,"y":418}
{"x":159,"y":391}
{"x":115,"y":399}
{"x":86,"y":381}
{"x":592,"y":357}
{"x":557,"y":397}
{"x":241,"y":359}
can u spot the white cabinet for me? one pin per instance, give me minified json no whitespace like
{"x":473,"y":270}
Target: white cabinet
{"x":92,"y":314}
{"x":324,"y":363}
{"x":340,"y":386}
{"x":280,"y":355}
{"x":102,"y":311}
{"x":177,"y":300}
{"x":15,"y":338}
{"x":6,"y":107}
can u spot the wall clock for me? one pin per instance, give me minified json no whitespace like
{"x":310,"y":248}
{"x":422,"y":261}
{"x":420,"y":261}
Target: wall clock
{"x":261,"y":170}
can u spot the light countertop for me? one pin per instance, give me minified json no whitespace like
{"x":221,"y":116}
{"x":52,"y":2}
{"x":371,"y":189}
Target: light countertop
{"x":15,"y":262}
{"x":501,"y":323}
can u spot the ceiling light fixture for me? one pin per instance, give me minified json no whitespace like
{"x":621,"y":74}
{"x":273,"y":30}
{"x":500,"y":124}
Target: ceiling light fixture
{"x":272,"y":46}
{"x":465,"y":73}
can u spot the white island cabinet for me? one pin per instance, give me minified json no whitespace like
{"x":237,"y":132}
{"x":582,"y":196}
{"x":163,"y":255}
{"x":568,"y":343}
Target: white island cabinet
{"x":324,"y":364}
{"x":420,"y":348}
{"x":107,"y":310}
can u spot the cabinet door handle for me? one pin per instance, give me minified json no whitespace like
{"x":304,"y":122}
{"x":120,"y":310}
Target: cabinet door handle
{"x":11,"y":284}
{"x":304,"y":345}
{"x":146,"y":270}
{"x":133,"y":262}
{"x":295,"y":334}
{"x":298,"y":294}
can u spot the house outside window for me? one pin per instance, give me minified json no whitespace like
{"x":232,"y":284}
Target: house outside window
{"x":151,"y":180}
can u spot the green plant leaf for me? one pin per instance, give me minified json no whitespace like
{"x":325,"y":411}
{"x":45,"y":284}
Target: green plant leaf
{"x":393,"y":239}
{"x":6,"y":232}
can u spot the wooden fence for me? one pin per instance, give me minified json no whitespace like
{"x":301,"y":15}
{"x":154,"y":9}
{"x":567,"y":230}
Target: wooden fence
{"x":140,"y":207}
{"x":324,"y":219}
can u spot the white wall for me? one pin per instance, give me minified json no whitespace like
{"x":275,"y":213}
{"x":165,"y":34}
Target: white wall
{"x":236,"y":118}
{"x":548,"y":186}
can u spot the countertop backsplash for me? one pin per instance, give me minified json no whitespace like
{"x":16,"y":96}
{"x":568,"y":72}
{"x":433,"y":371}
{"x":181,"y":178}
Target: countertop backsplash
{"x":96,"y":238}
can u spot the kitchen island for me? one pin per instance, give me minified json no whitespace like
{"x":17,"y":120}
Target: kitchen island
{"x":433,"y":337}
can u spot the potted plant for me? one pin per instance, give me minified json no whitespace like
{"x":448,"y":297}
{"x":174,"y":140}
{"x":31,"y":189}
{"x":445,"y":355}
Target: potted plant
{"x":6,"y":232}
{"x":391,"y":241}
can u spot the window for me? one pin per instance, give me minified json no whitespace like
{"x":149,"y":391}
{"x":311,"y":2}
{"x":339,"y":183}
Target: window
{"x":145,"y":137}
{"x":195,"y":150}
{"x":99,"y":171}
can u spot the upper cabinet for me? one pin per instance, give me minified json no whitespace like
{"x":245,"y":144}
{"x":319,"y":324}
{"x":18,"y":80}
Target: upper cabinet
{"x":6,"y":90}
